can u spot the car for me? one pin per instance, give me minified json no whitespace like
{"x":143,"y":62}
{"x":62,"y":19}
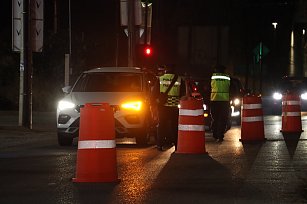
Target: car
{"x":200,"y":88}
{"x":287,"y":84}
{"x":126,"y":89}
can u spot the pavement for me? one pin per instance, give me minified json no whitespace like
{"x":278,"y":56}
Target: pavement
{"x":273,"y":170}
{"x":45,"y":121}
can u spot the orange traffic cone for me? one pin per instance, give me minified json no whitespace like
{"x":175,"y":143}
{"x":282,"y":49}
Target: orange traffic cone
{"x":252,"y":125}
{"x":191,"y":127}
{"x":96,"y":156}
{"x":291,"y":114}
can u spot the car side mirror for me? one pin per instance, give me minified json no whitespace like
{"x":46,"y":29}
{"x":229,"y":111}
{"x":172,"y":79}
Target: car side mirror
{"x":66,"y":89}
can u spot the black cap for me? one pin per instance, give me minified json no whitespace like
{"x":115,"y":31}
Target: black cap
{"x":219,"y":68}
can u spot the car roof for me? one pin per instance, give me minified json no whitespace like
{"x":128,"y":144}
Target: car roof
{"x":115,"y":69}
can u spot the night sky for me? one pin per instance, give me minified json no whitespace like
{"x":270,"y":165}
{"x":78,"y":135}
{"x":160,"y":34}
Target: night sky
{"x":99,"y":40}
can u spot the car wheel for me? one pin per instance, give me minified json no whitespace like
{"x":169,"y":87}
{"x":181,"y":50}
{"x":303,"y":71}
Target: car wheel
{"x":142,"y":138}
{"x":228,"y":125}
{"x":64,"y":139}
{"x":238,"y":121}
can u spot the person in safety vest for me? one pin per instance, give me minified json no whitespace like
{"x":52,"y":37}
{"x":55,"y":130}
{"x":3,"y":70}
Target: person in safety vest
{"x":171,"y":88}
{"x":219,"y":101}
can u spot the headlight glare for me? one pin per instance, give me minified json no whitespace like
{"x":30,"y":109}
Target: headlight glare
{"x":133,"y":105}
{"x":304,"y":96}
{"x":205,"y":107}
{"x":236,"y":101}
{"x":277,"y":96}
{"x":63,"y":105}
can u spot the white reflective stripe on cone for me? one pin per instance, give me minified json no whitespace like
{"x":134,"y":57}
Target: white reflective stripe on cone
{"x":252,"y":106}
{"x":291,"y":103}
{"x":191,"y":127}
{"x":291,"y":114}
{"x":96,"y":144}
{"x":188,"y":112}
{"x":252,"y":119}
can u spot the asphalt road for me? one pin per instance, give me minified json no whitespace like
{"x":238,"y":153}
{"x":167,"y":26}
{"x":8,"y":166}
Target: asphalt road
{"x":34,"y":169}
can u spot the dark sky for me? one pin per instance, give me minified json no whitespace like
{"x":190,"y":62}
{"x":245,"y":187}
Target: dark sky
{"x":97,"y":21}
{"x":5,"y":13}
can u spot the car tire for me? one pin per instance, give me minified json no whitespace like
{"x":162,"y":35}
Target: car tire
{"x":64,"y":139}
{"x":228,"y":125}
{"x":142,"y":137}
{"x":238,"y":121}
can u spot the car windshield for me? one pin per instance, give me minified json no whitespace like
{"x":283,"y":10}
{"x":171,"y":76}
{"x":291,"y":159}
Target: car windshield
{"x":109,"y":82}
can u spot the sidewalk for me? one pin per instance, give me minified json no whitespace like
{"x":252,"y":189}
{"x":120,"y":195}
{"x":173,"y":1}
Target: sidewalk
{"x":45,"y":121}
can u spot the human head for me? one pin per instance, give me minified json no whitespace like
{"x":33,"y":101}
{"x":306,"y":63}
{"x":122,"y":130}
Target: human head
{"x":170,"y":68}
{"x":219,"y":68}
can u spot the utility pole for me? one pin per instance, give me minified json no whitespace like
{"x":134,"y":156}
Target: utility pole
{"x":27,"y":36}
{"x":146,"y":22}
{"x":131,"y":32}
{"x":260,"y":66}
{"x":27,"y":59}
{"x":67,"y":68}
{"x":21,"y":64}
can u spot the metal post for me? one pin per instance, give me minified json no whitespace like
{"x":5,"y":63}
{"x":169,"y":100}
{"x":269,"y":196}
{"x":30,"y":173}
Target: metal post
{"x":260,"y":64}
{"x":21,"y":67}
{"x":146,"y":22}
{"x":131,"y":33}
{"x":55,"y":20}
{"x":67,"y":68}
{"x":27,"y":59}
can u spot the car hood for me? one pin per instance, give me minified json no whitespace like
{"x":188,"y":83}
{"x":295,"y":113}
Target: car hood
{"x":113,"y":98}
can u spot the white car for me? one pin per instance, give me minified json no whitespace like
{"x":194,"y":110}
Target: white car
{"x":126,"y":89}
{"x":272,"y":104}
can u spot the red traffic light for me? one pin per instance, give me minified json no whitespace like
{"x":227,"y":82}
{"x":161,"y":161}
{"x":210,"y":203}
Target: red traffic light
{"x":148,"y":51}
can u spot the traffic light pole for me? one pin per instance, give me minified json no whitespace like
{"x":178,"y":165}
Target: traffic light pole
{"x":26,"y":72}
{"x":146,"y":22}
{"x":131,"y":32}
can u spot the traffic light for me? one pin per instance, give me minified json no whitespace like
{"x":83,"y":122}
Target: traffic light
{"x":148,"y":51}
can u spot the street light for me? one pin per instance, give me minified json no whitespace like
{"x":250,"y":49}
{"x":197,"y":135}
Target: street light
{"x":275,"y":25}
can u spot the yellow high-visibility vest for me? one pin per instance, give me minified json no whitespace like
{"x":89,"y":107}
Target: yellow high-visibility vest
{"x":174,"y":93}
{"x":220,"y":83}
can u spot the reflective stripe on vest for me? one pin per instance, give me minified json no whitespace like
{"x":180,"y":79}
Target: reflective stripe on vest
{"x":191,"y":127}
{"x":220,"y":84}
{"x":96,"y":144}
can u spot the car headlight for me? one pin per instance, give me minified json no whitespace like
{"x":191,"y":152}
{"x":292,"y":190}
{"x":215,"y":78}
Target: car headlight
{"x":63,"y":105}
{"x":277,"y":96}
{"x":304,"y":96}
{"x":205,"y":107}
{"x":236,"y":101}
{"x":132,"y":105}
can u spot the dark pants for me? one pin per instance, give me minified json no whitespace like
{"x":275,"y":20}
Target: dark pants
{"x":220,"y":114}
{"x":168,"y":126}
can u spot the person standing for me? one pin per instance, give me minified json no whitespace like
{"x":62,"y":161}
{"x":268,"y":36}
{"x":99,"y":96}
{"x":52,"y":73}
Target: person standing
{"x":219,"y":101}
{"x":171,"y":88}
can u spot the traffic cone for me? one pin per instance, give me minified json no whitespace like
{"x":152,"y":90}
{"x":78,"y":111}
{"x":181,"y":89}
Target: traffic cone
{"x":191,"y":127}
{"x":291,"y":114}
{"x":252,"y":126}
{"x":96,"y":156}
